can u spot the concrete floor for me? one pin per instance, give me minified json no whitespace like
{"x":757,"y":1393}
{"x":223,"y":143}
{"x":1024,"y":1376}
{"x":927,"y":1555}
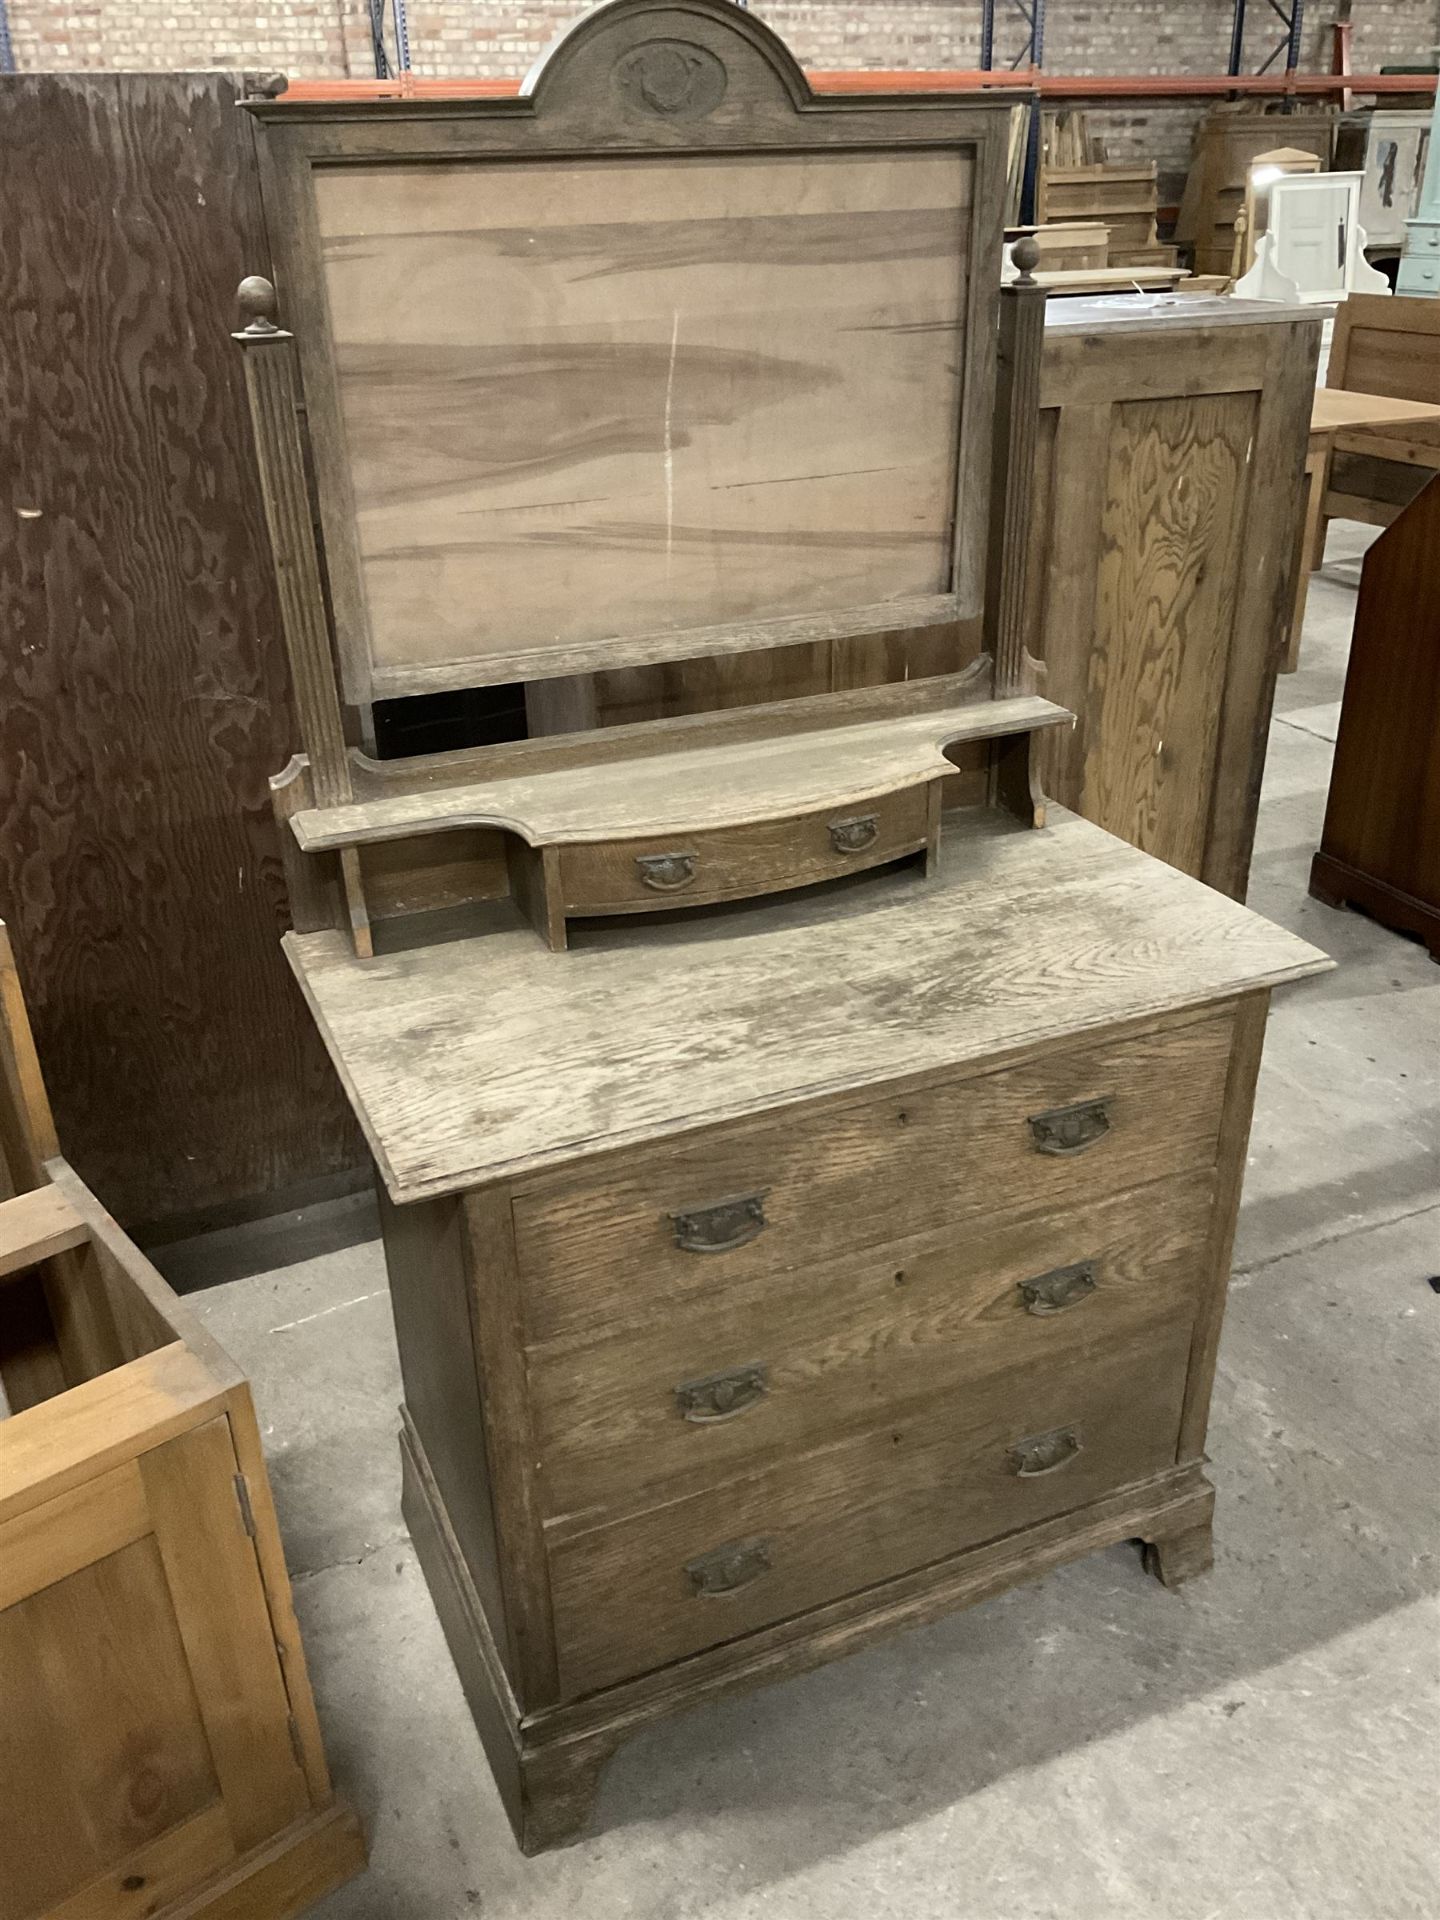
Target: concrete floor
{"x":1260,"y":1746}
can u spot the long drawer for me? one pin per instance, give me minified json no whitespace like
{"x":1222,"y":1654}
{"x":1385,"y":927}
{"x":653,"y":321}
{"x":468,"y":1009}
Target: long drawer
{"x":797,"y":1189}
{"x":778,"y":1366}
{"x":974,"y":1463}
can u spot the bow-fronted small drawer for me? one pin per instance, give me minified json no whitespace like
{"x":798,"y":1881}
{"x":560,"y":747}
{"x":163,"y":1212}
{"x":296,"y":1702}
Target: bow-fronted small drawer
{"x":696,"y":869}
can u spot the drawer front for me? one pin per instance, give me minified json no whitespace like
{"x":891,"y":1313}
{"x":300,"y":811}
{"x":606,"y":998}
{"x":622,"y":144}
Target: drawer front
{"x":799,"y":1360}
{"x":1003,"y":1453}
{"x":689,"y":870}
{"x":800,"y":1188}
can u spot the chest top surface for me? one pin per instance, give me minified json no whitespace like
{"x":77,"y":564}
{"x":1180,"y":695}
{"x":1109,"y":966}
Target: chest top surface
{"x":1165,"y":313}
{"x":476,"y":1061}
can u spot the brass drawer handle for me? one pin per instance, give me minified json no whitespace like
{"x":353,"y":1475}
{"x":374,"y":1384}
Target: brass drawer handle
{"x":1062,"y":1287}
{"x":1046,"y":1453}
{"x":666,"y":872}
{"x":721,"y":1228}
{"x":728,"y":1567}
{"x":721,"y":1396}
{"x":855,"y":834}
{"x":1071,"y":1129}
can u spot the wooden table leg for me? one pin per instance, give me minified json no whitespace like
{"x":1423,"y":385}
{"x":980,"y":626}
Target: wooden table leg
{"x":1317,"y":464}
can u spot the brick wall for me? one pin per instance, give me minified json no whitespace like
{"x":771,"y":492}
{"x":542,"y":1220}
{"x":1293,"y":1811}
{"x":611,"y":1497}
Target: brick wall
{"x":486,"y":37}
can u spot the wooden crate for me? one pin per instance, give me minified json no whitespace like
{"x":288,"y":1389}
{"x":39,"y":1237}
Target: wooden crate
{"x":159,"y":1750}
{"x":124,"y":776}
{"x":1124,"y":197}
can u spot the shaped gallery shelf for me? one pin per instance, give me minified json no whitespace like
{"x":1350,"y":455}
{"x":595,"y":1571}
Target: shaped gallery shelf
{"x":695,"y":812}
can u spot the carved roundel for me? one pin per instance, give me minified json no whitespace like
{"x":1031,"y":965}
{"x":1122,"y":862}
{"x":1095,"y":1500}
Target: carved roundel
{"x":673,"y":78}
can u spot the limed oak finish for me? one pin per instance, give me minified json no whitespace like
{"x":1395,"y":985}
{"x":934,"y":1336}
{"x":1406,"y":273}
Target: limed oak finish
{"x":693,"y":814}
{"x":159,"y":1751}
{"x":767,"y":1281}
{"x":769,"y":1274}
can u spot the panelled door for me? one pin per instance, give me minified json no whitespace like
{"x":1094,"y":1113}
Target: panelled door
{"x":145,"y":1731}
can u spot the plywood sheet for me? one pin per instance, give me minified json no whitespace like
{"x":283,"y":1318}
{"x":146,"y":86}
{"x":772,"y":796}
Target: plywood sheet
{"x":144,"y":696}
{"x":594,"y":400}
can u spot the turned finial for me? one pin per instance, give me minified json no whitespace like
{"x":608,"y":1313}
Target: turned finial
{"x":1026,"y":256}
{"x":256,"y":299}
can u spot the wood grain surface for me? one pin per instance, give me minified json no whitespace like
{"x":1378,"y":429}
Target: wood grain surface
{"x":714,"y":682}
{"x":1390,"y":344}
{"x":693,"y":787}
{"x":33,"y":1226}
{"x":598,"y":1249}
{"x":143,"y":699}
{"x":1024,"y":937}
{"x":1384,"y":344}
{"x":848,"y":1342}
{"x":928,"y":1482}
{"x":725,"y":389}
{"x":119,"y":1739}
{"x":760,"y":857}
{"x":212,"y":1574}
{"x":1163,"y":553}
{"x":1334,"y":410}
{"x":1164,"y":1504}
{"x":1171,"y":546}
{"x":1381,"y":845}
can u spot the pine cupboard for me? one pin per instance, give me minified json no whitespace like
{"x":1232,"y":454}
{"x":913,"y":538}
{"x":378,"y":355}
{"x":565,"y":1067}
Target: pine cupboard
{"x":1165,"y":544}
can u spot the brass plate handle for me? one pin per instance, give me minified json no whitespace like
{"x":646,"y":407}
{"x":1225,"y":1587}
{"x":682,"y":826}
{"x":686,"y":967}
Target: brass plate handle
{"x":1062,"y":1287}
{"x":727,"y":1568}
{"x":855,"y":834}
{"x":1045,"y":1453}
{"x":722,"y":1227}
{"x":721,"y":1396}
{"x":666,"y":872}
{"x":1064,"y":1130}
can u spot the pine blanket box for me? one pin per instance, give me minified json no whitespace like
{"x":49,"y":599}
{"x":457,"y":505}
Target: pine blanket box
{"x":159,"y":1749}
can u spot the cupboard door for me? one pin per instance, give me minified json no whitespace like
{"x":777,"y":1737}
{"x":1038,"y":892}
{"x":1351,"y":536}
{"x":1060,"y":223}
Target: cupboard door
{"x":145,"y":1732}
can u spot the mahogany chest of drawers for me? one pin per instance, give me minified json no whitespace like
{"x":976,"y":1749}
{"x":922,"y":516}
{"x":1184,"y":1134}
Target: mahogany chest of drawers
{"x":751,"y":1306}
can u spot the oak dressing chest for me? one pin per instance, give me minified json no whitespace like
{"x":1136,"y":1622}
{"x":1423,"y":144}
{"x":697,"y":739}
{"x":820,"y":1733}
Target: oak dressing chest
{"x":809,"y":1164}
